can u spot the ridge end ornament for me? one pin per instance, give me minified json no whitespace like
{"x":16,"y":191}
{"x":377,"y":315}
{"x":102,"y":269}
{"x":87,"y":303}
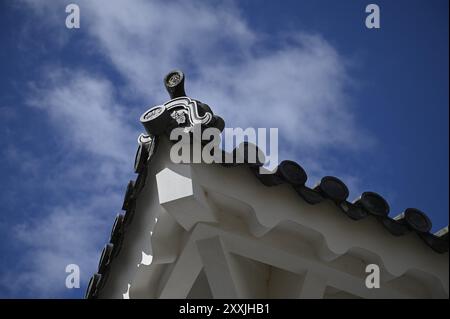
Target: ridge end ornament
{"x":179,"y":111}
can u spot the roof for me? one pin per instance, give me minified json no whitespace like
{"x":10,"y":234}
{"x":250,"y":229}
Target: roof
{"x":158,"y":122}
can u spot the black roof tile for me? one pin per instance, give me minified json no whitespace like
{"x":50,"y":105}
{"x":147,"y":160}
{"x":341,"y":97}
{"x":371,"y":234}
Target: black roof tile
{"x":438,"y":244}
{"x":373,"y":203}
{"x":333,"y":188}
{"x":140,"y":158}
{"x":292,"y":173}
{"x":128,"y":198}
{"x":309,"y":195}
{"x":395,"y":227}
{"x":91,"y":291}
{"x":415,"y":219}
{"x":353,"y":211}
{"x":105,"y":258}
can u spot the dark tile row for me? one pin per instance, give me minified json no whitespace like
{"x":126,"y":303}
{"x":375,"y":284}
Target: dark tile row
{"x":367,"y":204}
{"x":332,"y":188}
{"x":112,"y":249}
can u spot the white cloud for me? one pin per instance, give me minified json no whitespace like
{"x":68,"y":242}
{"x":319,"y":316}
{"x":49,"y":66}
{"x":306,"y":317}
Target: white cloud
{"x":84,"y":109}
{"x":67,"y":234}
{"x":298,"y":86}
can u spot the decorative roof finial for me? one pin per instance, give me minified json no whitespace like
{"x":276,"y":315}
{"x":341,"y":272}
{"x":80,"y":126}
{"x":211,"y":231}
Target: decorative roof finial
{"x":174,"y":83}
{"x":179,"y":111}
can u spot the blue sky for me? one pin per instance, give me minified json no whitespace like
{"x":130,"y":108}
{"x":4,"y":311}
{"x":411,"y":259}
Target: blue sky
{"x":369,"y":106}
